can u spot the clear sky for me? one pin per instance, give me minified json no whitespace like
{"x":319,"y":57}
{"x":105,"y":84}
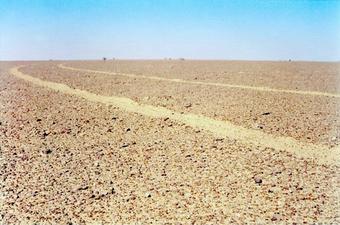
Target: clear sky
{"x":197,"y":29}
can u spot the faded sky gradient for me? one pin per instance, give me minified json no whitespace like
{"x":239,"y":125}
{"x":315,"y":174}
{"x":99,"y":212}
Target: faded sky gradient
{"x":197,"y":29}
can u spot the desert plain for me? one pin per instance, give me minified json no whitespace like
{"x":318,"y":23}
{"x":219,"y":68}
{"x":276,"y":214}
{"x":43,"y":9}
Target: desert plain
{"x":169,"y":142}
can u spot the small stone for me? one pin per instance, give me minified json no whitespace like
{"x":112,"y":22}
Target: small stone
{"x":83,"y":188}
{"x":258,"y":180}
{"x":45,"y":134}
{"x":113,"y":191}
{"x":127,"y":130}
{"x":124,"y":145}
{"x":276,"y":217}
{"x":258,"y":126}
{"x":266,"y":113}
{"x":38,"y":120}
{"x":48,"y":151}
{"x":188,"y":105}
{"x":66,"y":130}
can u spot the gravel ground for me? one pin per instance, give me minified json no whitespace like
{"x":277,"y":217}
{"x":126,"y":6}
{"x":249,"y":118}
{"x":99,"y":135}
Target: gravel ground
{"x":317,"y":76}
{"x":313,"y":119}
{"x":66,"y":160}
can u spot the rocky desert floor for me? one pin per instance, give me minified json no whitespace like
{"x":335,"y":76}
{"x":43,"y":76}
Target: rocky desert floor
{"x":169,"y":142}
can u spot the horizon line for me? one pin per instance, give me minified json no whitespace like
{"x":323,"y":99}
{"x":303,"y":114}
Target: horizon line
{"x":168,"y":59}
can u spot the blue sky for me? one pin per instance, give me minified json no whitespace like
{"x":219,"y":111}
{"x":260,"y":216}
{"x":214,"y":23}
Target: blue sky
{"x":197,"y":29}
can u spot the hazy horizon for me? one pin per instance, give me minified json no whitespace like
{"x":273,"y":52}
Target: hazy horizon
{"x":172,"y":59}
{"x":150,"y":29}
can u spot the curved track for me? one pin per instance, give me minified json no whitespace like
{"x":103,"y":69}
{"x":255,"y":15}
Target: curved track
{"x":254,"y":88}
{"x":320,"y":154}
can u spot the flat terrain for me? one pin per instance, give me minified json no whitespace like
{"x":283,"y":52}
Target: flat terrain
{"x":169,"y":142}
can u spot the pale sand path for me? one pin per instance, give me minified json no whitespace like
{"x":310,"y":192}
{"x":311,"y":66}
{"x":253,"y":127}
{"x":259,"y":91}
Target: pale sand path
{"x":320,"y":154}
{"x":254,"y":88}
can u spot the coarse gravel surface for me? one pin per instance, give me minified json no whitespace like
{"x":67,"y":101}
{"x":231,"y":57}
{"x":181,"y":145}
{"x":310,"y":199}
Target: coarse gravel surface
{"x":67,"y":160}
{"x":312,"y":119}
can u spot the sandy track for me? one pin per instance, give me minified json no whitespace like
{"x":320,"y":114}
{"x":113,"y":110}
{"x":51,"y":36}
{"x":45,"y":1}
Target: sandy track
{"x":319,"y":153}
{"x":306,"y":118}
{"x":254,"y":88}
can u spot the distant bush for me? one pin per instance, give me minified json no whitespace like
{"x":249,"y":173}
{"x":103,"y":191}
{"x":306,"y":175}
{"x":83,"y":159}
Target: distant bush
{"x":104,"y":59}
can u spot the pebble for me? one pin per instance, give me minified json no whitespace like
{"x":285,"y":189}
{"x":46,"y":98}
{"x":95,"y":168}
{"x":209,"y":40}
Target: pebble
{"x":274,"y":218}
{"x":48,"y":151}
{"x":124,"y":145}
{"x":45,"y":134}
{"x":83,"y":188}
{"x":258,"y":180}
{"x":113,"y":191}
{"x":188,"y":105}
{"x":258,"y":126}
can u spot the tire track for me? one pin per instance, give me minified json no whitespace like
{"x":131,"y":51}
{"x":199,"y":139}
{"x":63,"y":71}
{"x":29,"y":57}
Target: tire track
{"x":318,"y":153}
{"x":254,"y":88}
